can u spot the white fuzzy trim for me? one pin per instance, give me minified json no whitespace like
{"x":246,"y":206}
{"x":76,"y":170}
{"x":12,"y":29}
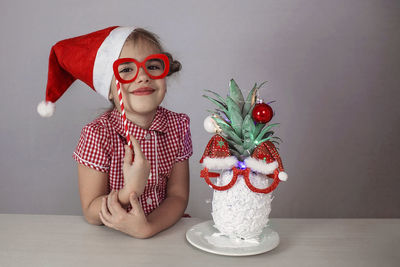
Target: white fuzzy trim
{"x":220,"y":163}
{"x":261,"y":166}
{"x":46,"y":109}
{"x":283,"y":176}
{"x":106,"y":55}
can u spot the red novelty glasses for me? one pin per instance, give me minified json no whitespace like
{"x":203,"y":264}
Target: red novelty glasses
{"x":126,"y":70}
{"x":206,"y":174}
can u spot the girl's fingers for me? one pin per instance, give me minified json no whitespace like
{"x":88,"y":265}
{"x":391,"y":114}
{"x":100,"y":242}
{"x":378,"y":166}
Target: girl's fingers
{"x":128,"y":155}
{"x":104,"y":221}
{"x":110,"y":208}
{"x":112,"y":204}
{"x":104,"y":211}
{"x":115,"y":205}
{"x":136,"y":207}
{"x":136,"y":147}
{"x":136,"y":153}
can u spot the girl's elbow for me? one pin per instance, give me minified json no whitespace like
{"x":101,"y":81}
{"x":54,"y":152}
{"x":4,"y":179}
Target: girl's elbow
{"x":90,"y":220}
{"x":183,"y":201}
{"x":94,"y":222}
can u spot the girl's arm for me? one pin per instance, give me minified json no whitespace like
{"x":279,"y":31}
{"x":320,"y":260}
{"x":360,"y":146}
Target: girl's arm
{"x":93,"y":186}
{"x":173,"y":207}
{"x":135,"y":223}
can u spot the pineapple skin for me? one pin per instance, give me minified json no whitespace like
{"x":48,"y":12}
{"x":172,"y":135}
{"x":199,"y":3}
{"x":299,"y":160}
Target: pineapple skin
{"x":239,"y":212}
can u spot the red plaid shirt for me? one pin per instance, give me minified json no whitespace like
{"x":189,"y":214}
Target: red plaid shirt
{"x":168,"y":140}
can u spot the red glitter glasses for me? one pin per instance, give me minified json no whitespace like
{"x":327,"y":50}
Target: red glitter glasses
{"x":126,"y":70}
{"x":206,"y":174}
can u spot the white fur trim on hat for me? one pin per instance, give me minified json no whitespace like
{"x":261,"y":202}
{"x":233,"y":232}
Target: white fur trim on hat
{"x":261,"y":166}
{"x":46,"y":109}
{"x":108,"y":52}
{"x":220,"y":163}
{"x":283,"y":176}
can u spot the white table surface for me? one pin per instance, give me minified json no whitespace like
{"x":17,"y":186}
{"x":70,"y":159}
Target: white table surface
{"x":52,"y":240}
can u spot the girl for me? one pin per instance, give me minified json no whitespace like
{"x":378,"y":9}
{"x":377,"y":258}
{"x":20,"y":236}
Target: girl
{"x":145,"y":190}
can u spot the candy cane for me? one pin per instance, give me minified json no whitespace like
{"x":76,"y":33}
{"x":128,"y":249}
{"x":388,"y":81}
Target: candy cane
{"x":121,"y":104}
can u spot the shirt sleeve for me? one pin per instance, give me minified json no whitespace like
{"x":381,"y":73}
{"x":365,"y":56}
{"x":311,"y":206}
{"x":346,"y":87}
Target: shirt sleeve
{"x":93,"y":148}
{"x":186,"y":148}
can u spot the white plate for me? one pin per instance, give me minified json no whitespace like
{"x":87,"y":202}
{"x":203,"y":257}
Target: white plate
{"x":200,"y":235}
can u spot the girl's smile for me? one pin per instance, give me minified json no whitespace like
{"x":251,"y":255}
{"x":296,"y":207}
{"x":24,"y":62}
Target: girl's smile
{"x":143,"y":91}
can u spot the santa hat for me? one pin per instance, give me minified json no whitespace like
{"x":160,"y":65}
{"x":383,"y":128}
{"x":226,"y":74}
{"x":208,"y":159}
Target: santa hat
{"x":217,"y":155}
{"x":265,"y":159}
{"x":88,"y":58}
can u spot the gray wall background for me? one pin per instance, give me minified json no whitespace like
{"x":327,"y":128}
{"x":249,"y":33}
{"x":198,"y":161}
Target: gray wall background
{"x":333,"y":67}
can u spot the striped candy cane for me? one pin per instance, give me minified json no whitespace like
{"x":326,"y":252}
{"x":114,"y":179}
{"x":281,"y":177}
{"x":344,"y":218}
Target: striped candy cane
{"x":121,"y":104}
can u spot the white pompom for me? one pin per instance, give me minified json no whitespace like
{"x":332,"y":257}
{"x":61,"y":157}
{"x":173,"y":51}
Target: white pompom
{"x":283,"y":176}
{"x":46,"y":109}
{"x":209,"y":125}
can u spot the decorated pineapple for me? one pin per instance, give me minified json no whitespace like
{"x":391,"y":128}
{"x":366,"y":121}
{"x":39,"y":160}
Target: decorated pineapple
{"x":242,"y":157}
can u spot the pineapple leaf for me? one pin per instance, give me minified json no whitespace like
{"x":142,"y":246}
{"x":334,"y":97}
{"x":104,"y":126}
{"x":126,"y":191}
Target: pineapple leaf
{"x":236,"y":94}
{"x":236,"y":154}
{"x":269,"y":133}
{"x":221,"y":121}
{"x":247,"y":105}
{"x":258,"y":128}
{"x":276,"y":143}
{"x":246,"y":153}
{"x":238,"y":148}
{"x":227,"y":129}
{"x":221,"y":105}
{"x":248,"y":129}
{"x":220,"y":98}
{"x":265,"y":139}
{"x":261,"y":84}
{"x":234,"y":116}
{"x":277,"y":139}
{"x":264,"y":131}
{"x":220,"y":113}
{"x":249,"y":146}
{"x":224,"y":116}
{"x":251,"y":110}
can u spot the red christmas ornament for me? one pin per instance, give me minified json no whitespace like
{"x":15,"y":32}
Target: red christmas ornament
{"x":262,"y":113}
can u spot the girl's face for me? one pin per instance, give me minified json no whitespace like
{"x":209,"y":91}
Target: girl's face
{"x":143,"y":95}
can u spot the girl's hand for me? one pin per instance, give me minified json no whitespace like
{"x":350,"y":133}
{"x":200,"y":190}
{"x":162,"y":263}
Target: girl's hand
{"x":135,"y":173}
{"x":133,"y":223}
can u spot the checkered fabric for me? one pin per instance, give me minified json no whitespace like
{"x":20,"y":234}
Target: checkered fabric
{"x":168,"y":140}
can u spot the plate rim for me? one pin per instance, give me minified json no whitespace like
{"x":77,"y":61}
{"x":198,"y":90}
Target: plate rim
{"x":227,"y":251}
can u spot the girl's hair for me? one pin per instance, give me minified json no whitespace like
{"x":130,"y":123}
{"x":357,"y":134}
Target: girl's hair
{"x":140,"y":34}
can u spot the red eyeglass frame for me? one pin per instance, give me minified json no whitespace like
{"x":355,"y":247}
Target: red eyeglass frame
{"x":206,"y":174}
{"x":139,"y":65}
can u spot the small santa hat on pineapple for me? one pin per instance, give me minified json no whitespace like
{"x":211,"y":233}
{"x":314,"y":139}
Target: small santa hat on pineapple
{"x":217,"y":155}
{"x":88,"y":58}
{"x":265,"y":159}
